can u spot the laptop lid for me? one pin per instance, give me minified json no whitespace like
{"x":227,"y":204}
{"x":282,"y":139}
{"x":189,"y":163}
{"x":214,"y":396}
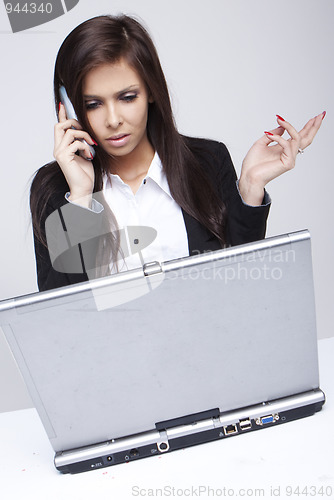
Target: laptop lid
{"x":224,"y":330}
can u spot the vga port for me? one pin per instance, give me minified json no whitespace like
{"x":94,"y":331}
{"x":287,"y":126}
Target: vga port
{"x":267,"y":419}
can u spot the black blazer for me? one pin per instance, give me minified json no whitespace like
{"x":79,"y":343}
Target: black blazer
{"x":244,"y":223}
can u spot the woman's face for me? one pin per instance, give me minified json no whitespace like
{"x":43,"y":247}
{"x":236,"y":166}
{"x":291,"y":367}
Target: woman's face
{"x":116,"y":103}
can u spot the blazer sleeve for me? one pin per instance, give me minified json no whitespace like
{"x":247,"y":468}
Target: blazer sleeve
{"x":72,"y":236}
{"x":244,"y":223}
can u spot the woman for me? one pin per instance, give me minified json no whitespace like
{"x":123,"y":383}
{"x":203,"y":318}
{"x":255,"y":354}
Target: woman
{"x":144,"y":172}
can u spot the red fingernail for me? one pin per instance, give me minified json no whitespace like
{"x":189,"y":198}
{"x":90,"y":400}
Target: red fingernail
{"x":323,"y":114}
{"x":269,"y":133}
{"x":94,"y":142}
{"x":59,"y":106}
{"x":91,"y":156}
{"x":280,"y":118}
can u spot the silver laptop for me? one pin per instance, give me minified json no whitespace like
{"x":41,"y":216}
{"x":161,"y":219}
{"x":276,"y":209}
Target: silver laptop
{"x":172,"y":354}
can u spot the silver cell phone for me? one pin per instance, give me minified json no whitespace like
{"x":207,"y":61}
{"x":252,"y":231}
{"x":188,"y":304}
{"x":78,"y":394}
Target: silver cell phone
{"x":71,"y":115}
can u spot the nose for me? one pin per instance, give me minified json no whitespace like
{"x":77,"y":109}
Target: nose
{"x":113,"y":116}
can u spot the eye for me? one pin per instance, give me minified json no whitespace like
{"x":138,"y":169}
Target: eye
{"x":128,"y":97}
{"x":92,"y":105}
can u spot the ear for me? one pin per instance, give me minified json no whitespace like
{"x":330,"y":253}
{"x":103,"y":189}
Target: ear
{"x":150,"y":99}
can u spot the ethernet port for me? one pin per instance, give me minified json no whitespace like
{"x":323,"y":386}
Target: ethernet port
{"x":230,"y":429}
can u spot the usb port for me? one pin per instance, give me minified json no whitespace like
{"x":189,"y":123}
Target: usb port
{"x":230,"y":429}
{"x":245,"y":424}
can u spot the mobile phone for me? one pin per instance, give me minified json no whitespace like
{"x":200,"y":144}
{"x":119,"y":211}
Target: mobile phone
{"x":71,"y":115}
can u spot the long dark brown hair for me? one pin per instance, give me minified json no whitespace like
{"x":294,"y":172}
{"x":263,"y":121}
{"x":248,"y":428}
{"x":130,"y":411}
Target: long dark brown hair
{"x":107,"y":39}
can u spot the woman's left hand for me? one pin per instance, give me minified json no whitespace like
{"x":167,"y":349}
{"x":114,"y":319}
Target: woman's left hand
{"x":264,"y":163}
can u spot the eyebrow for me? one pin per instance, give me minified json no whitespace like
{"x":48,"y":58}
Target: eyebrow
{"x":120,"y":92}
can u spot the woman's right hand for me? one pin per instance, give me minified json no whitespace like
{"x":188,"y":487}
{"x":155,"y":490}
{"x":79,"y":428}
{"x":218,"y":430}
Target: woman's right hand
{"x":78,"y":171}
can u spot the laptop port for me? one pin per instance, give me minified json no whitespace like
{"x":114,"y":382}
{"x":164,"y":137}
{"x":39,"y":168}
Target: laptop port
{"x":163,"y":446}
{"x":134,"y":452}
{"x":230,"y":429}
{"x":109,"y":458}
{"x":245,"y":424}
{"x":267,"y":419}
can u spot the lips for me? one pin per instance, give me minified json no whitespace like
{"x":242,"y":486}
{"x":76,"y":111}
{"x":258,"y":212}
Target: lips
{"x":116,"y":137}
{"x":118,"y":140}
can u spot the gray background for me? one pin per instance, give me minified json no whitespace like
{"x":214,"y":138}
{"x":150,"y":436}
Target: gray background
{"x":231,"y":66}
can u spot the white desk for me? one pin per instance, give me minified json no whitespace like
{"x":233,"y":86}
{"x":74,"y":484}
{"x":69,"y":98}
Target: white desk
{"x":299,"y":453}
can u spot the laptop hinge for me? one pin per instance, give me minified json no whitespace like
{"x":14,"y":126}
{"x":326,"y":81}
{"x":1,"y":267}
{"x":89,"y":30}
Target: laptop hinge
{"x":163,"y":443}
{"x":188,"y":419}
{"x":152,"y":268}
